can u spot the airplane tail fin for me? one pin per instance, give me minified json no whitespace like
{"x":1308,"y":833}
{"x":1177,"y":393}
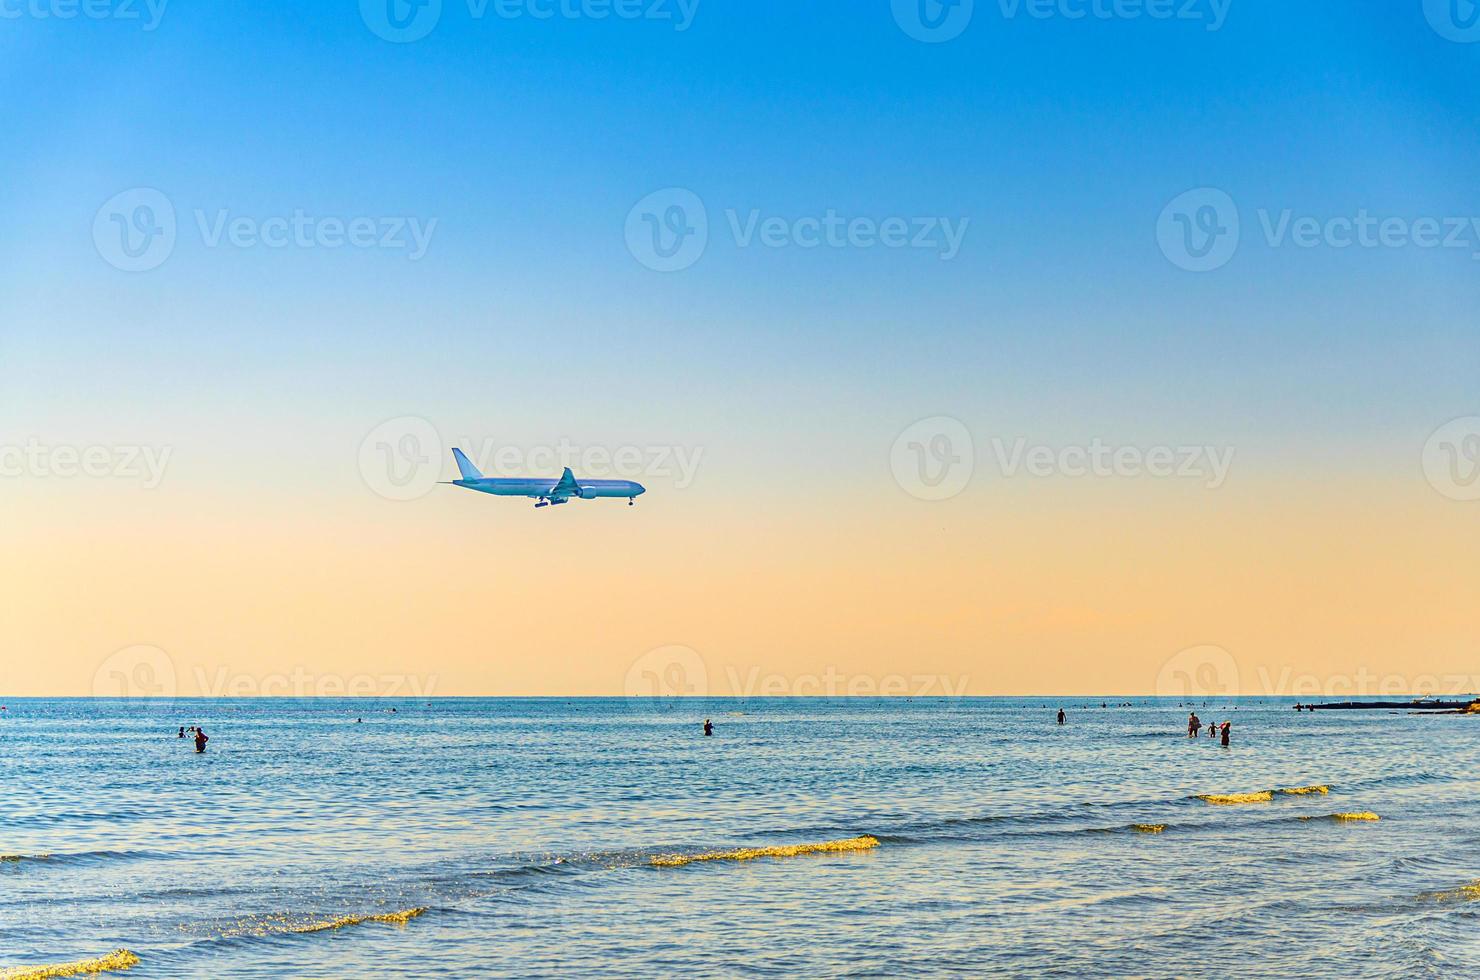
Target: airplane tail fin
{"x":465,"y":466}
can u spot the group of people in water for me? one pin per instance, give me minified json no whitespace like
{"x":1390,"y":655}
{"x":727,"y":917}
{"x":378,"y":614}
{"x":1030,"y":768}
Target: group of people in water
{"x":200,"y":736}
{"x":1195,"y":726}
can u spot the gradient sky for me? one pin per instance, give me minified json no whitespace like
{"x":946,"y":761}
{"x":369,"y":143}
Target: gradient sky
{"x":794,"y":552}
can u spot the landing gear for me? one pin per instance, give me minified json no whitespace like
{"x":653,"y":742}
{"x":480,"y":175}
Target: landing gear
{"x":631,"y":501}
{"x":542,"y":502}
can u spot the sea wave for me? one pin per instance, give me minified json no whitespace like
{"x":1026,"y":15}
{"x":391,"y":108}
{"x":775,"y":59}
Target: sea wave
{"x":1235,"y":799}
{"x":749,"y":853}
{"x":1464,"y":893}
{"x":290,"y":924}
{"x":78,"y":857}
{"x":120,"y":959}
{"x":1354,"y":817}
{"x":390,"y":918}
{"x":1262,"y":795}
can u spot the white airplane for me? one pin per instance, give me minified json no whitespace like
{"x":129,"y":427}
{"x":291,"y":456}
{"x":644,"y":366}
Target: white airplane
{"x":546,"y":493}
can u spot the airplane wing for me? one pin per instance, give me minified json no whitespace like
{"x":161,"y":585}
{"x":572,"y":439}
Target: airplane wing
{"x":566,"y":488}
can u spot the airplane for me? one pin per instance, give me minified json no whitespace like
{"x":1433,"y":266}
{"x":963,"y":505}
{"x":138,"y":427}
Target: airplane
{"x":546,"y":493}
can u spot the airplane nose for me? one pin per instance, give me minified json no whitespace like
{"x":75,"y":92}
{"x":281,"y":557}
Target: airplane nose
{"x":640,"y":490}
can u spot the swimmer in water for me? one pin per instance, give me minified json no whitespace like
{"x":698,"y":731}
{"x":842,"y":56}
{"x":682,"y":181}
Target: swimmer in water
{"x":1226,"y":726}
{"x":182,"y":732}
{"x":200,"y":740}
{"x":708,"y":727}
{"x":1061,"y":716}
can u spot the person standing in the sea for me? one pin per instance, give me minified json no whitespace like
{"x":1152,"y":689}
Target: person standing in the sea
{"x":708,"y":727}
{"x":1226,"y":726}
{"x":1061,"y":716}
{"x":200,"y":740}
{"x":1194,"y":724}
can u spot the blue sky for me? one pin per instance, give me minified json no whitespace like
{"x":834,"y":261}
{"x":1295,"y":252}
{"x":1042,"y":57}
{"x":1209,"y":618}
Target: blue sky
{"x":1110,"y":282}
{"x":528,"y":141}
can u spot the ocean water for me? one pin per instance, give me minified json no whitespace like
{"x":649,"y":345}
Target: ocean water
{"x":490,"y":837}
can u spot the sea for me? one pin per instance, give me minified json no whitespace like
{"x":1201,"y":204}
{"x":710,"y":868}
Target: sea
{"x":807,"y":837}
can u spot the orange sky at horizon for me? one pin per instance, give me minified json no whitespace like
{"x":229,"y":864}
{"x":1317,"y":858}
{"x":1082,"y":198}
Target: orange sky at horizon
{"x":1018,"y":586}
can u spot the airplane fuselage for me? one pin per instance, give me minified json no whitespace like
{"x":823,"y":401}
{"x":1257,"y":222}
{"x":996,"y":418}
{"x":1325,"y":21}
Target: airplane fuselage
{"x":519,"y":487}
{"x":546,"y":493}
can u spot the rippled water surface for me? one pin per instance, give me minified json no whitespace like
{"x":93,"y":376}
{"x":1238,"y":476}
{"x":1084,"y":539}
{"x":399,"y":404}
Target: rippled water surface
{"x":465,"y":838}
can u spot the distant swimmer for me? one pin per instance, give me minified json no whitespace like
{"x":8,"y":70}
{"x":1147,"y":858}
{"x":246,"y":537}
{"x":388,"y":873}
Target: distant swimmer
{"x":708,"y":727}
{"x":200,"y":740}
{"x":1061,"y":716}
{"x":1194,"y":725}
{"x":182,"y":732}
{"x":1226,"y":726}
